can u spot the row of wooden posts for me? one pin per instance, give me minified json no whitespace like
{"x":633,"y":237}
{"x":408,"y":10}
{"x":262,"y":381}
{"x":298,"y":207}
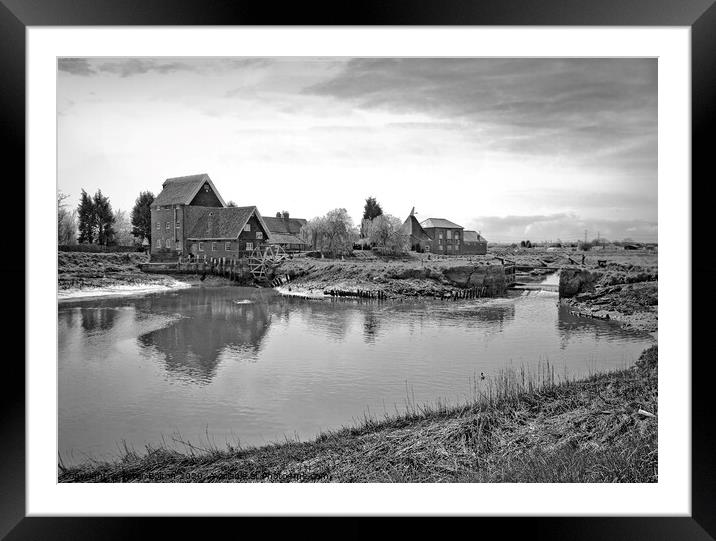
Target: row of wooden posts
{"x":280,"y":280}
{"x":359,"y":293}
{"x":469,"y":293}
{"x":589,"y":315}
{"x":230,"y":268}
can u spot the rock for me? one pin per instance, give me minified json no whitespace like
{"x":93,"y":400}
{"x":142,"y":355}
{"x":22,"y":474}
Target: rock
{"x":574,"y":281}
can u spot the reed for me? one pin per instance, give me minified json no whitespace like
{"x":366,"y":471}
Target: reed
{"x":519,"y":425}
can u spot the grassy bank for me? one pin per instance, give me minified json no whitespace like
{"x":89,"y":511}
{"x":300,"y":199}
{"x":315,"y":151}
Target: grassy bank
{"x":518,"y":428}
{"x":412,"y":275}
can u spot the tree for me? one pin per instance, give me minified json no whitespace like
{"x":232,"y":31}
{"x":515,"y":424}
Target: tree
{"x":385,"y":231}
{"x":142,"y":217}
{"x":86,"y":216}
{"x":123,"y":229}
{"x":231,"y":204}
{"x":370,"y":211}
{"x":66,"y":224}
{"x":104,"y":218}
{"x":333,"y":233}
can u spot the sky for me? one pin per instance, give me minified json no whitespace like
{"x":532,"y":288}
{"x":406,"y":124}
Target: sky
{"x":516,"y":148}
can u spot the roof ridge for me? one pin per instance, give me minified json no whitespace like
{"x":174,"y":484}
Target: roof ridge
{"x":183,"y":177}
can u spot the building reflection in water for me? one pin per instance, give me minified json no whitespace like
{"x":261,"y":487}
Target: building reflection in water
{"x":212,"y":323}
{"x":200,"y":327}
{"x":97,"y":319}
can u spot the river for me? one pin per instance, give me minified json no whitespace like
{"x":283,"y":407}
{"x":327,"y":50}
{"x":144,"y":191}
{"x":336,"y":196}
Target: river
{"x":249,"y":366}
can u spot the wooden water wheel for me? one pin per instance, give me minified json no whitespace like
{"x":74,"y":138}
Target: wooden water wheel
{"x":263,"y":260}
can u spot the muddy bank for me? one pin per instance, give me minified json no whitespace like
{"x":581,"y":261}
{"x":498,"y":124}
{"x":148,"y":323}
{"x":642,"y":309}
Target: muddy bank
{"x":409,"y":277}
{"x":600,"y":429}
{"x":626,"y":293}
{"x":89,"y":275}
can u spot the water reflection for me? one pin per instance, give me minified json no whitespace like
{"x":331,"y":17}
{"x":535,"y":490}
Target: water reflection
{"x":211,"y":323}
{"x":249,"y":361}
{"x":97,"y":319}
{"x":570,"y":326}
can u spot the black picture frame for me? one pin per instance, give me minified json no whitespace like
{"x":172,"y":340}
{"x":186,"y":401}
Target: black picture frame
{"x":699,"y":15}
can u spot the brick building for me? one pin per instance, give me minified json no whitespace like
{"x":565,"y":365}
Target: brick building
{"x":189,"y":216}
{"x":441,"y":236}
{"x":446,"y":236}
{"x":473,"y":243}
{"x":284,"y":232}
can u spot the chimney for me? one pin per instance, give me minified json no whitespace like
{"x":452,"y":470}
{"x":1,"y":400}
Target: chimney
{"x":278,"y":215}
{"x":285,"y":215}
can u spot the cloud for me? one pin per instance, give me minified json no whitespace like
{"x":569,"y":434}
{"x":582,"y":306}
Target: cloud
{"x":75,"y":66}
{"x":565,"y":226}
{"x":603,"y":109}
{"x":123,"y":67}
{"x":127,"y":67}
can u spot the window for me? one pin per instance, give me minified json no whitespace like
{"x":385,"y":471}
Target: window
{"x":259,"y":235}
{"x":247,"y":227}
{"x":169,"y":243}
{"x":227,"y":246}
{"x":201,"y":246}
{"x":440,"y":236}
{"x":169,"y":225}
{"x":178,"y":246}
{"x":159,"y":242}
{"x":449,"y":234}
{"x":213,"y":247}
{"x":159,"y":225}
{"x":249,"y":245}
{"x":449,"y":247}
{"x":178,"y":224}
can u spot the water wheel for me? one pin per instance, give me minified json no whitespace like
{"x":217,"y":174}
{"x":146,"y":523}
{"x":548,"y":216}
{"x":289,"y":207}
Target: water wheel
{"x":263,"y":260}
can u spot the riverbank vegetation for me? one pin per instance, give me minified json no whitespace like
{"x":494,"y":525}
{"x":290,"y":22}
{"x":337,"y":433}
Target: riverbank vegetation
{"x":517,"y":427}
{"x":80,"y":271}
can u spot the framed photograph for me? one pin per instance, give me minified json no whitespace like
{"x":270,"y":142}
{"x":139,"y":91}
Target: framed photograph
{"x":398,"y":263}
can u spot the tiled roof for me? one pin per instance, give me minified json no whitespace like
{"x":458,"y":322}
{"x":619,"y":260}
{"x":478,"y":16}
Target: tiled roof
{"x":284,"y":238}
{"x":280,"y":225}
{"x":181,"y":190}
{"x":222,"y":223}
{"x":412,"y":227}
{"x":472,"y":236}
{"x":439,"y":222}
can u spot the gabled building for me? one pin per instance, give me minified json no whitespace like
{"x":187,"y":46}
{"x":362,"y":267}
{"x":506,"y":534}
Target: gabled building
{"x":473,"y":243}
{"x":189,"y":216}
{"x":420,"y":241}
{"x":446,"y":236}
{"x":284,"y":232}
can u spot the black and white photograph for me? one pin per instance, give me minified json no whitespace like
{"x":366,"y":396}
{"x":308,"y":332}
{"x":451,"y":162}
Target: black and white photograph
{"x":357,"y":269}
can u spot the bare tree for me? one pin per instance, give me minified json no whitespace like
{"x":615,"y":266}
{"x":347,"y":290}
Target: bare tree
{"x":333,"y":233}
{"x":122,"y":228}
{"x":66,"y":221}
{"x":385,"y":232}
